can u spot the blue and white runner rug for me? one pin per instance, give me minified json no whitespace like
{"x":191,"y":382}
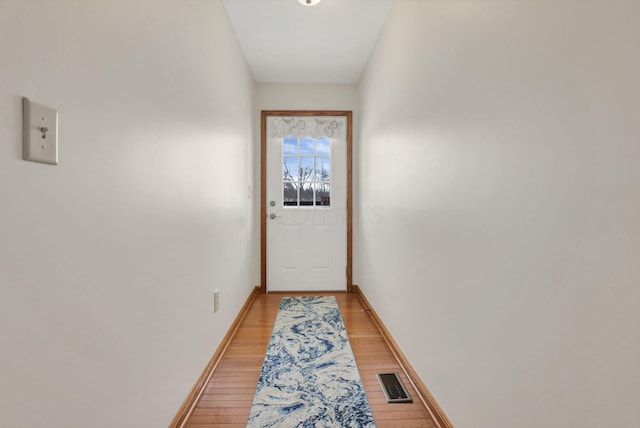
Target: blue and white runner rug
{"x":309,"y":377}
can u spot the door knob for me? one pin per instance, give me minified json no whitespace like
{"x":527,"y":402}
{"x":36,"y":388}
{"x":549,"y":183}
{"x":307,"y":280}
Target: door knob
{"x":272,"y":216}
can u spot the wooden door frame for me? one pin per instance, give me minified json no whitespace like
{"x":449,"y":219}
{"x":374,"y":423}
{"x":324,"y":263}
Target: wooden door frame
{"x":263,"y":187}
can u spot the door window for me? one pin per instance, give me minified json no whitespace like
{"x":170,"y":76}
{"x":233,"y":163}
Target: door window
{"x":306,"y":172}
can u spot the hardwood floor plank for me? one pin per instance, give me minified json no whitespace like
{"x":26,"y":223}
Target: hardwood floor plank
{"x":238,"y":411}
{"x":218,"y":419}
{"x":227,"y":397}
{"x":215,"y":425}
{"x":216,"y":390}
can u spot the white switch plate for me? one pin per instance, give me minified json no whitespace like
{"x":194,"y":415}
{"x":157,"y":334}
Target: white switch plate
{"x":40,"y":133}
{"x":216,"y":300}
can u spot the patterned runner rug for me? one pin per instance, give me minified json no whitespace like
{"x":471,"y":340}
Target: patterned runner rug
{"x":309,"y":377}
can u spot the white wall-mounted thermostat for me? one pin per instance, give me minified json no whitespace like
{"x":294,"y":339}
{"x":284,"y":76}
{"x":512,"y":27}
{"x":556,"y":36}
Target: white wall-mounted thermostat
{"x":40,"y":133}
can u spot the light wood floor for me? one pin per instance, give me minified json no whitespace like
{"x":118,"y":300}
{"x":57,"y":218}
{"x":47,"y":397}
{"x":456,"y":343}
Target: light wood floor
{"x":228,"y":395}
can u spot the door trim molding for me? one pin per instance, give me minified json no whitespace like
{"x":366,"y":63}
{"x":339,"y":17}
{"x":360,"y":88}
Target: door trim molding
{"x":263,"y":187}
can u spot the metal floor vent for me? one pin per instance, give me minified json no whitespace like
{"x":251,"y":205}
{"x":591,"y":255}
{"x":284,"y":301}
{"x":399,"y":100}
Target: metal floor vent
{"x":393,"y":388}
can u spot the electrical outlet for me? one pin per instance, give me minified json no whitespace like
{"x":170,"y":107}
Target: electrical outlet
{"x":216,"y":300}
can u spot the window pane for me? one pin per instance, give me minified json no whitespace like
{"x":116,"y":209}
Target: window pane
{"x":306,"y":146}
{"x":290,"y":195}
{"x":323,"y":194}
{"x":322,"y":145}
{"x":290,"y":145}
{"x":290,"y":168}
{"x":323,"y":169}
{"x":306,"y":169}
{"x":306,"y":194}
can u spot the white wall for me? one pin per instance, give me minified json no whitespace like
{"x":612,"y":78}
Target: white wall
{"x":109,"y":260}
{"x":500,"y":177}
{"x":306,"y":96}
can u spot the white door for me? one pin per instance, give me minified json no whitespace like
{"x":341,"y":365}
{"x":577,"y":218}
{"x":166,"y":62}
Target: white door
{"x":306,"y":174}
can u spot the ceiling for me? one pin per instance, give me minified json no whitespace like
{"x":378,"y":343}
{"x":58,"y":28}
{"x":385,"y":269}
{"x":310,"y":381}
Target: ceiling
{"x":286,"y":42}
